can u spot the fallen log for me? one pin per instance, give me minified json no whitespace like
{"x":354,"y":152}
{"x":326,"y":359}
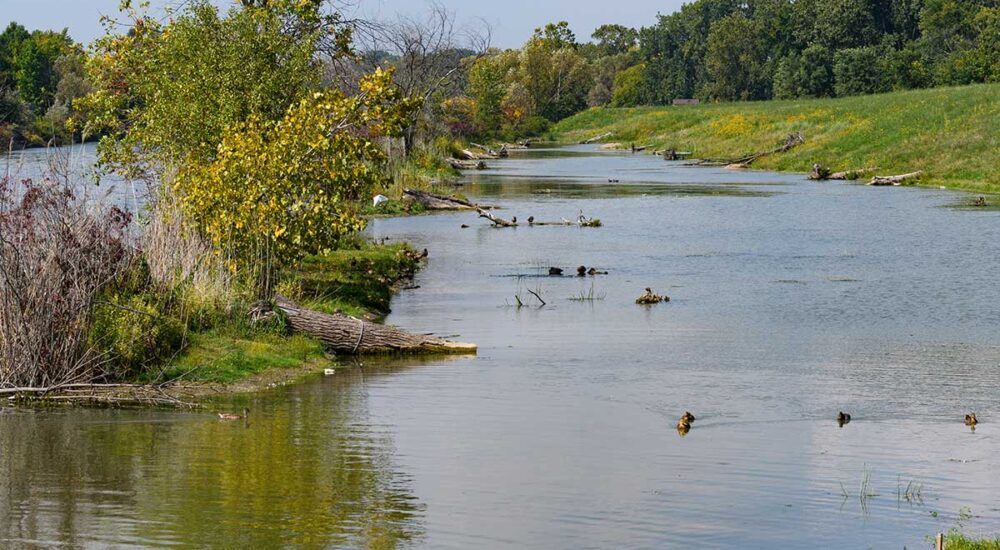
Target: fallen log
{"x":466,"y":164}
{"x":670,"y":154}
{"x":597,"y":138}
{"x":345,"y":334}
{"x":497,"y":221}
{"x":792,"y":141}
{"x":895,"y":180}
{"x":465,"y":154}
{"x":822,"y":173}
{"x":490,"y":153}
{"x":432,"y":201}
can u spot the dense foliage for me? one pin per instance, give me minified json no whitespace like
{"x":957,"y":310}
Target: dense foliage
{"x":41,"y":76}
{"x":725,"y":50}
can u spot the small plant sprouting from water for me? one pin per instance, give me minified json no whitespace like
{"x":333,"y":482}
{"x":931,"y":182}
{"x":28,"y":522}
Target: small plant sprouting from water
{"x":523,"y":296}
{"x":866,"y":492}
{"x":588,"y":296}
{"x":913,"y":492}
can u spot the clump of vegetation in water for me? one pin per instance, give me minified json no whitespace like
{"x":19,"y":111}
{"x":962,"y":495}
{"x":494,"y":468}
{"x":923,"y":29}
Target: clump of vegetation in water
{"x":649,"y":298}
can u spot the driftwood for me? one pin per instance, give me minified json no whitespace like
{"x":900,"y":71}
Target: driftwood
{"x":581,"y":221}
{"x":432,"y":201}
{"x":490,"y":153}
{"x":597,"y":138}
{"x":822,"y":173}
{"x":345,"y":334}
{"x":466,"y":164}
{"x":745,"y":161}
{"x":895,"y":180}
{"x":670,"y":154}
{"x":497,"y":221}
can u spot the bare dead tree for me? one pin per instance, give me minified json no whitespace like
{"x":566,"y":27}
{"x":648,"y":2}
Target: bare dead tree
{"x":428,"y":53}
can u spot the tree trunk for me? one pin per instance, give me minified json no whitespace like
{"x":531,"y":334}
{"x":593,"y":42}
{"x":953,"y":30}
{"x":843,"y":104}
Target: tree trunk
{"x":345,"y":334}
{"x":409,"y":137}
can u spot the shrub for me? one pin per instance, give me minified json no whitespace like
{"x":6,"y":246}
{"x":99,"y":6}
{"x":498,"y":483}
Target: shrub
{"x":57,"y":253}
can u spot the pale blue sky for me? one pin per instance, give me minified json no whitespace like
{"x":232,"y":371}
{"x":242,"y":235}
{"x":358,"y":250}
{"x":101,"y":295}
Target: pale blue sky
{"x":512,"y":20}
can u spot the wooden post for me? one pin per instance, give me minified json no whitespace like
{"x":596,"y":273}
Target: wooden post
{"x":940,"y":541}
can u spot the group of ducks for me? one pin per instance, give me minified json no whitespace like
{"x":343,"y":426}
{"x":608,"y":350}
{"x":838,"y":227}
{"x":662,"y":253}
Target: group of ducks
{"x":684,"y":424}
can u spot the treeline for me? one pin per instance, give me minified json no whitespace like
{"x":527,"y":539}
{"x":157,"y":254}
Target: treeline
{"x":728,"y":50}
{"x":41,"y":74}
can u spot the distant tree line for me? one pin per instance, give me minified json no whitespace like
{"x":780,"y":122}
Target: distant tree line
{"x":41,"y":74}
{"x":726,"y":50}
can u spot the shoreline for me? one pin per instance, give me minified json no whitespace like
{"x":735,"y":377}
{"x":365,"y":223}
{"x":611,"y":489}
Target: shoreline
{"x":941,"y":132}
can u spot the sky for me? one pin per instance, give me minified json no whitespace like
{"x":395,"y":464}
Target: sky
{"x":512,"y":21}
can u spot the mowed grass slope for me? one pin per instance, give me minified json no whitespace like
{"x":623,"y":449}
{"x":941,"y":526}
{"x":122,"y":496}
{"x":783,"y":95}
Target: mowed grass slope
{"x":952,"y":134}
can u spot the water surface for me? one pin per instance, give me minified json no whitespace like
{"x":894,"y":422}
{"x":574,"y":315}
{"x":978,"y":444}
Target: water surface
{"x":790,"y":301}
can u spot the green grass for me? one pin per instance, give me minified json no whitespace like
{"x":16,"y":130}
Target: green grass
{"x":949,"y":133}
{"x":231,"y":353}
{"x":358,"y":279}
{"x":957,"y":541}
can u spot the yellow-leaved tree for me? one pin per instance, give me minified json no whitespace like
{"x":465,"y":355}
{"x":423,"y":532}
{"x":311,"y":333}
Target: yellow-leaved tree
{"x":279,"y":190}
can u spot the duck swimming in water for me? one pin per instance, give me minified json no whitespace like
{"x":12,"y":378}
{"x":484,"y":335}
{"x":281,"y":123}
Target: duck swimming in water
{"x":687,"y":417}
{"x":683,"y":426}
{"x":970,"y":419}
{"x":843,"y":418}
{"x":231,"y":416}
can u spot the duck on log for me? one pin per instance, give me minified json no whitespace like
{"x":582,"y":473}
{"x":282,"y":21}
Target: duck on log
{"x":348,"y":335}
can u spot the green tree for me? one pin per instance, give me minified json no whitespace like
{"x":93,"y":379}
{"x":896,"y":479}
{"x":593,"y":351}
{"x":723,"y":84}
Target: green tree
{"x":488,"y":86}
{"x":557,"y":80}
{"x":736,"y":60}
{"x":859,"y":71}
{"x":556,"y":36}
{"x":615,"y":39}
{"x":630,"y":87}
{"x":165,"y":94}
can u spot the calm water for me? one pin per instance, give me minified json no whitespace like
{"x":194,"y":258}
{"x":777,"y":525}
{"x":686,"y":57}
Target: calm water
{"x":790,"y":301}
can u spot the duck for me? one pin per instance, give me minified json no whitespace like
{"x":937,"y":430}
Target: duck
{"x":513,"y":220}
{"x":683,"y":425}
{"x":531,"y":220}
{"x":843,"y":418}
{"x":970,"y":419}
{"x":581,"y":271}
{"x":687,"y":417}
{"x":231,"y":416}
{"x":555,"y":271}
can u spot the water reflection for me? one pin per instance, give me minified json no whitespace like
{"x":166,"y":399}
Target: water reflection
{"x":309,"y":467}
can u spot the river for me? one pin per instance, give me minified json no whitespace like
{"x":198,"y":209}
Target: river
{"x":790,"y":301}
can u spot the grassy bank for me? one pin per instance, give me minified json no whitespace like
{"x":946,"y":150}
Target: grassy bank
{"x":359,"y":279}
{"x":949,"y":133}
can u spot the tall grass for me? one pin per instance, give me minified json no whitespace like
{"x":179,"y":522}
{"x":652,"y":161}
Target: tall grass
{"x":949,"y":133}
